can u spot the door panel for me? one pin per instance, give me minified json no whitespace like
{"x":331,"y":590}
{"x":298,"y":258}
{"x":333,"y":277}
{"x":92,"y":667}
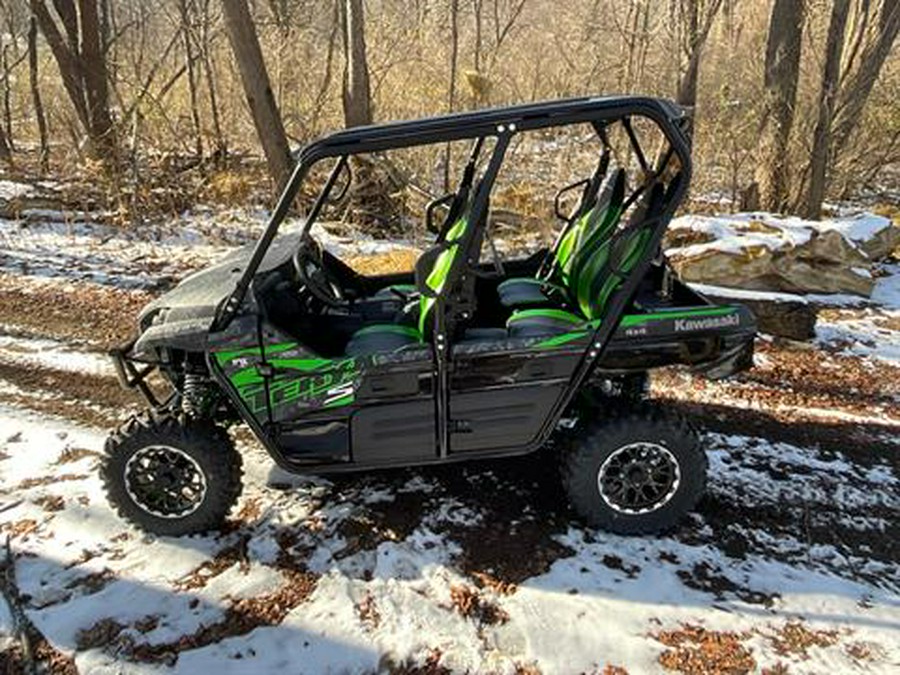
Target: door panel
{"x":393,"y":432}
{"x":499,"y":418}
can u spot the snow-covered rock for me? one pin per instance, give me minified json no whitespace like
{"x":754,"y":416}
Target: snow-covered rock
{"x":761,"y":251}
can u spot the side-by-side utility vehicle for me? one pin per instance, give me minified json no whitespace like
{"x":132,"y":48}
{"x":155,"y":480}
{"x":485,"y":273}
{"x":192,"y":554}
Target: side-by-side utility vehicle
{"x":469,"y":356}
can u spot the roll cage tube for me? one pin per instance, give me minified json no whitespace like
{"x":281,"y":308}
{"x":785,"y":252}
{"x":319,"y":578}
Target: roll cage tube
{"x":620,"y":297}
{"x":671,"y":119}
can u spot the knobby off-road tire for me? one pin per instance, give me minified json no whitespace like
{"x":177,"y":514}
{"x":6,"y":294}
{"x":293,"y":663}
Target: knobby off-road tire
{"x":642,"y":445}
{"x":151,"y":452}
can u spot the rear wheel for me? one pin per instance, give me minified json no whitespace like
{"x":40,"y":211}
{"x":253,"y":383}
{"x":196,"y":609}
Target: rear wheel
{"x":171,"y":477}
{"x":637,"y":471}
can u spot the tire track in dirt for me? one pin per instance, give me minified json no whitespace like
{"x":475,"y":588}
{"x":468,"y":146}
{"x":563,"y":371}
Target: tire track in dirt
{"x":94,"y":400}
{"x":83,"y":313}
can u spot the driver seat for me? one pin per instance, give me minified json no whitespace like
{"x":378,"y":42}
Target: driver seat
{"x":392,"y":336}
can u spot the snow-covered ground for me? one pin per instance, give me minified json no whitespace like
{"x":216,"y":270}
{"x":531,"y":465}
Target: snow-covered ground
{"x":790,"y":564}
{"x":385,"y":584}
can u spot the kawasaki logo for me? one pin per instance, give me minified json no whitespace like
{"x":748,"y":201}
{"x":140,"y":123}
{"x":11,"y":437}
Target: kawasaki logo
{"x":709,"y":322}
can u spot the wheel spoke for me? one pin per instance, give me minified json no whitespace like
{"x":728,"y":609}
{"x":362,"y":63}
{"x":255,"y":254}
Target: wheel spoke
{"x":165,"y":481}
{"x":638,"y":478}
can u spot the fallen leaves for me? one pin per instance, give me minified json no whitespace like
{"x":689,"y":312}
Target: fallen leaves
{"x":69,"y":455}
{"x":368,"y":613}
{"x":240,"y":618}
{"x":50,"y":503}
{"x":49,"y":479}
{"x":469,"y":602}
{"x":794,"y":638}
{"x":221,"y":561}
{"x":101,"y":634}
{"x":19,"y":528}
{"x":696,"y":650}
{"x":391,"y":262}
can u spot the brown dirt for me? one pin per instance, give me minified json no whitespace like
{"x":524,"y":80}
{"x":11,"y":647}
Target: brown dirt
{"x":62,"y":392}
{"x":94,"y":315}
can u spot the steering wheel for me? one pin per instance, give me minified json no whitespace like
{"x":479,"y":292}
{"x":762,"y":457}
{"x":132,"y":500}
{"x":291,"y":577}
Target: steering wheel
{"x":315,"y":276}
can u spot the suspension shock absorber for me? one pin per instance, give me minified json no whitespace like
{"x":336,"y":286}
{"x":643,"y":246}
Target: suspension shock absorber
{"x":197,"y":396}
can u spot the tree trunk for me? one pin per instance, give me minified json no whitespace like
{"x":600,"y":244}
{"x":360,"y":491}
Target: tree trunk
{"x":255,"y":79}
{"x":189,"y":57}
{"x":7,"y":98}
{"x":357,"y":96}
{"x":81,"y":59}
{"x":96,"y":81}
{"x":855,"y":92}
{"x":5,"y":153}
{"x":782,"y":71}
{"x":451,"y":95}
{"x":831,"y":70}
{"x":221,"y":151}
{"x":36,"y":94}
{"x":697,"y":17}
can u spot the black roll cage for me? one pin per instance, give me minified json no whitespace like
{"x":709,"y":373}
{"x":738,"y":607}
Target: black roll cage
{"x":672,"y":120}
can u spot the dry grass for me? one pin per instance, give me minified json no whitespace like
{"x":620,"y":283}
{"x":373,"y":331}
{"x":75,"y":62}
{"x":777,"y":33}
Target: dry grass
{"x":392,"y":262}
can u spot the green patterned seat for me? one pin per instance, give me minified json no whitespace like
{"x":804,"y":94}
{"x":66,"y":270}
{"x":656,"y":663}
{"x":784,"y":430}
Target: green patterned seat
{"x":598,"y":270}
{"x":390,"y":337}
{"x":596,"y":222}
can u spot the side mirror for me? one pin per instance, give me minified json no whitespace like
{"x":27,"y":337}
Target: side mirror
{"x":557,"y":200}
{"x":432,"y":206}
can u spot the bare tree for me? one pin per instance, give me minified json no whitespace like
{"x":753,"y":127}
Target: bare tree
{"x":451,"y":93}
{"x":857,"y":85}
{"x":357,"y":96}
{"x":81,"y":57}
{"x":36,"y":94}
{"x":695,"y":19}
{"x":257,"y":89}
{"x":818,"y":165}
{"x":782,"y":71}
{"x":206,"y":43}
{"x":635,"y":40}
{"x":186,"y":16}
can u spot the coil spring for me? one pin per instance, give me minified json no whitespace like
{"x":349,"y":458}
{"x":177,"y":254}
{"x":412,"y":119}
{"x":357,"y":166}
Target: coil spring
{"x":195,"y":395}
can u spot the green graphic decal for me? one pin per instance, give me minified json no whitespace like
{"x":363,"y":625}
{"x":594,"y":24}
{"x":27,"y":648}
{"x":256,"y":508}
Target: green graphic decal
{"x":630,"y":320}
{"x":559,"y":340}
{"x":226,"y":356}
{"x":637,"y":319}
{"x":308,"y":382}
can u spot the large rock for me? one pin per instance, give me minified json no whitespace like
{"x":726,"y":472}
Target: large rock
{"x":763,"y":252}
{"x":781,"y":314}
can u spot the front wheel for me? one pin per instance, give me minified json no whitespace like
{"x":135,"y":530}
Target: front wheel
{"x":637,"y":471}
{"x":171,"y":477}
